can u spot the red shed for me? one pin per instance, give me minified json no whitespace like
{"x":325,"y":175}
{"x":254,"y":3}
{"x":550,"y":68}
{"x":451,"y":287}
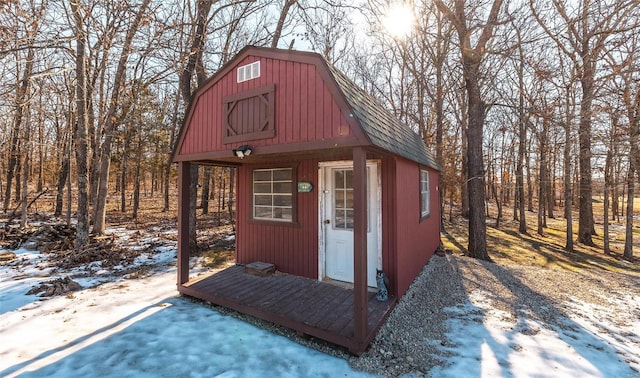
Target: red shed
{"x":330,"y":188}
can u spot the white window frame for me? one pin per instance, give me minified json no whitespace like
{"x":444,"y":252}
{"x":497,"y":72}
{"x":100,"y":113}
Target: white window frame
{"x":273,"y":194}
{"x":425,"y":193}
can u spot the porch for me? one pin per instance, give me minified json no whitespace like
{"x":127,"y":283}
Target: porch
{"x":318,"y":309}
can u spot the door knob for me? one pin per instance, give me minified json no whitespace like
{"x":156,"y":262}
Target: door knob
{"x":326,"y":221}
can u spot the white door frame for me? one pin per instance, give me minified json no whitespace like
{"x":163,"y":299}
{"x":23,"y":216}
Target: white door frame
{"x":377,"y":204}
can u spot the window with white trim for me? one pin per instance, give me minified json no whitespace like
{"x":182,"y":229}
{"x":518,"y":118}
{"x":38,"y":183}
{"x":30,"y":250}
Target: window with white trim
{"x":425,"y":194}
{"x":249,"y":71}
{"x":273,"y":194}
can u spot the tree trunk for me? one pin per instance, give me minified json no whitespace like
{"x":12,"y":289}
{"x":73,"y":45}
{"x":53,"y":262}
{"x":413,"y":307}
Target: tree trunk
{"x":568,"y":186}
{"x":607,"y":186}
{"x":167,"y":167}
{"x":220,"y":195}
{"x":541,"y":191}
{"x":224,"y":186}
{"x":195,"y":59}
{"x":494,"y":192}
{"x":549,"y":184}
{"x":110,"y":124}
{"x":196,"y":50}
{"x":464,"y":190}
{"x":82,"y":227}
{"x":136,"y":188}
{"x":18,"y":181}
{"x":69,"y":199}
{"x":628,"y":241}
{"x":204,"y":202}
{"x":529,"y":182}
{"x":522,"y":145}
{"x":281,"y":20}
{"x":193,"y":240}
{"x":475,"y":167}
{"x":439,"y":136}
{"x":585,"y":218}
{"x":123,"y":174}
{"x":41,"y":147}
{"x":22,"y":92}
{"x":231,"y":201}
{"x":25,"y":187}
{"x":64,"y":172}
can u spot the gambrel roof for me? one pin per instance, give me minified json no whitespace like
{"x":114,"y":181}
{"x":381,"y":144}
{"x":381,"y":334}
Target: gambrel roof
{"x":368,"y":121}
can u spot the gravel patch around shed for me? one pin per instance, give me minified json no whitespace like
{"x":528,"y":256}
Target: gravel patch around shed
{"x":411,"y":341}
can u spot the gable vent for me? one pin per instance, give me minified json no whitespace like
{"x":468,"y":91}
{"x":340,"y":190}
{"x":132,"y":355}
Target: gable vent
{"x":249,"y":71}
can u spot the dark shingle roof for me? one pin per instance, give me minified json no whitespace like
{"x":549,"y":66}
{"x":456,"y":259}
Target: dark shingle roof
{"x":381,"y":127}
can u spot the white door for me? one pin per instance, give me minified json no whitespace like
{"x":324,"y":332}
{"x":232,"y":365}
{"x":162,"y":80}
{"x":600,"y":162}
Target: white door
{"x":337,"y":221}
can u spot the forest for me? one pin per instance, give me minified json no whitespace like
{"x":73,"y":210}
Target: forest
{"x":530,"y":107}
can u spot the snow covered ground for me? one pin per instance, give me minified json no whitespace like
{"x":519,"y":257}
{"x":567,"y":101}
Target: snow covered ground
{"x":487,"y":343}
{"x":138,"y":327}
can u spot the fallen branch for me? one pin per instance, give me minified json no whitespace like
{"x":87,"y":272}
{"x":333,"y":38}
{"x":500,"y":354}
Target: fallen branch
{"x":14,"y":213}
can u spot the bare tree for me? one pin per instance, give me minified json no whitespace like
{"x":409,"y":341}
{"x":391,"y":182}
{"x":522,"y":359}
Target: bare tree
{"x":22,"y":94}
{"x":581,"y":31}
{"x":110,"y":124}
{"x":471,"y":62}
{"x":284,"y":12}
{"x":82,"y":228}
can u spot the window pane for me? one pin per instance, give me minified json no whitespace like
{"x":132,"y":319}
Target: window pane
{"x":262,"y":212}
{"x":339,"y":199}
{"x":282,"y":174}
{"x":349,"y":179}
{"x":339,"y":219}
{"x":261,"y":200}
{"x":348,"y":201}
{"x":282,"y":187}
{"x":262,"y":188}
{"x":339,"y":178}
{"x":282,"y":213}
{"x":285,"y":200}
{"x":348,"y":218}
{"x":261,"y":175}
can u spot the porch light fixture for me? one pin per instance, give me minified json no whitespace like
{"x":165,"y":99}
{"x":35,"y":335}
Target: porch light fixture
{"x":242,"y":151}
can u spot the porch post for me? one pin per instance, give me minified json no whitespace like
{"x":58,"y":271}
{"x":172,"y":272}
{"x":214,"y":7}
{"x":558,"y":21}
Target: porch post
{"x":360,"y":316}
{"x":184,"y":194}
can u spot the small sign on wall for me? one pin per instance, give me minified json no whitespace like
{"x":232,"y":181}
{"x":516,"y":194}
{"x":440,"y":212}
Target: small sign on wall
{"x":304,"y":187}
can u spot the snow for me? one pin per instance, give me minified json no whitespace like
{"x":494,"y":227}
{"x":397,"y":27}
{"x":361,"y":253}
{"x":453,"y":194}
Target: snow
{"x":118,"y":327}
{"x":489,"y":343}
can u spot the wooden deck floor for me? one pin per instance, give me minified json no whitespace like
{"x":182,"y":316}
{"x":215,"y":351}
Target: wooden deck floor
{"x":314,"y":308}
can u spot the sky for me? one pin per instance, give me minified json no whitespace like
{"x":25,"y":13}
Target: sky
{"x":117,"y":327}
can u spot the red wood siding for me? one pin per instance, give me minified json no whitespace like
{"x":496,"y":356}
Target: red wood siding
{"x":305,"y":110}
{"x":389,"y":195}
{"x":292,"y":248}
{"x":415,"y":241}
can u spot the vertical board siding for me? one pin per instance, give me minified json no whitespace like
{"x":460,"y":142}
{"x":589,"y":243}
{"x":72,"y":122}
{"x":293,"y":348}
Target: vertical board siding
{"x":304,"y":102}
{"x":305,"y":108}
{"x":292,"y":248}
{"x":416,"y":241}
{"x":389,"y":194}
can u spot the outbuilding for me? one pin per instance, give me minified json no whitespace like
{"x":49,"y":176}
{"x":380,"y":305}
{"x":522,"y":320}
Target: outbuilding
{"x":331,"y":191}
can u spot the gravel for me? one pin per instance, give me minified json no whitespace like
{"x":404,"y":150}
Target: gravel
{"x":411,"y":339}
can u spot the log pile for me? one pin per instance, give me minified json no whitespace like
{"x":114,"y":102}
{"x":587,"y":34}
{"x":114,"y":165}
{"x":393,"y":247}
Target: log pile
{"x":53,"y":237}
{"x":99,"y":249}
{"x":58,"y":240}
{"x":46,"y":238}
{"x":55,"y":287}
